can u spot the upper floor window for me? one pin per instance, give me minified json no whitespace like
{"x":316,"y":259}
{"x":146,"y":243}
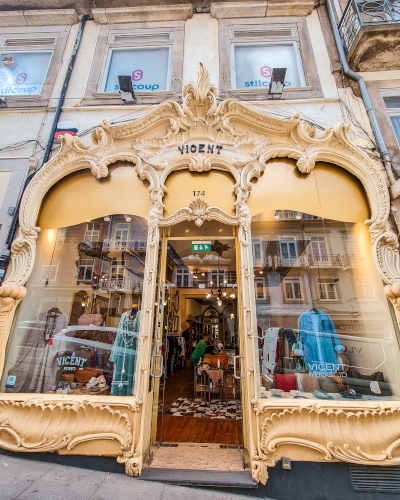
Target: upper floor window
{"x":92,"y":232}
{"x":392,"y":104}
{"x":146,"y":57}
{"x":292,"y":289}
{"x":255,"y":53}
{"x":288,"y":248}
{"x":121,"y":231}
{"x":24,"y":63}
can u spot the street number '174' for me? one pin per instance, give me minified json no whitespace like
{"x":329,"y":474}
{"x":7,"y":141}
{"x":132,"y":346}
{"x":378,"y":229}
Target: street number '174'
{"x":199,"y":193}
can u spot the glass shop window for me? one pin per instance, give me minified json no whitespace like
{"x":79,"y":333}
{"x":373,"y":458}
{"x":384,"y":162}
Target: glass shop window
{"x":149,"y":68}
{"x":23,"y":73}
{"x":77,"y":332}
{"x":326,"y":330}
{"x":253,"y":64}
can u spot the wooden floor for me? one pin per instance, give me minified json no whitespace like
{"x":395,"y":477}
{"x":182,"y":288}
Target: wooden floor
{"x":173,"y":429}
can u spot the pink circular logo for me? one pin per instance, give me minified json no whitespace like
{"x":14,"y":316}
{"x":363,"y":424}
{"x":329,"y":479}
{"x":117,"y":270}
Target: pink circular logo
{"x":266,"y":71}
{"x":21,"y":78}
{"x":137,"y":75}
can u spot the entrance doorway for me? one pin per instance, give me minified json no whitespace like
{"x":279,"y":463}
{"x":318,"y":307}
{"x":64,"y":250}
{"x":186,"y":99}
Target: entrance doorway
{"x":196,"y":369}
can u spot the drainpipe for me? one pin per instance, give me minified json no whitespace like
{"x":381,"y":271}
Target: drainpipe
{"x":5,"y":256}
{"x":364,"y":94}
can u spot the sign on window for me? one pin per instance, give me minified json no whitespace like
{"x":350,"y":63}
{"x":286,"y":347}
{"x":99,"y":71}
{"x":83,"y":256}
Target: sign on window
{"x":254,"y":65}
{"x":201,"y":246}
{"x":23,"y":73}
{"x":148,"y":69}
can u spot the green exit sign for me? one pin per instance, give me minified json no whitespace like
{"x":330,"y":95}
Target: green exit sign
{"x":201,"y":246}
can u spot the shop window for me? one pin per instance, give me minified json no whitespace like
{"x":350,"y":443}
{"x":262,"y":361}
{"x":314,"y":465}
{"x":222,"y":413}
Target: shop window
{"x":252,"y":64}
{"x":84,"y":325}
{"x":365,"y":290}
{"x":320,"y":341}
{"x":292,"y":288}
{"x":50,"y":270}
{"x":146,"y":57}
{"x":327,"y":288}
{"x":85,"y":270}
{"x":23,"y":73}
{"x":92,"y":231}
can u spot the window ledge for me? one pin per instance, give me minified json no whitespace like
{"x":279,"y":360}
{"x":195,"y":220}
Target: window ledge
{"x":116,"y":95}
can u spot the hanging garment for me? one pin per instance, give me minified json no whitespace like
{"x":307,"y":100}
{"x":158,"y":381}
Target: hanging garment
{"x":320,"y":343}
{"x":30,"y":359}
{"x":123,"y":355}
{"x":306,"y":383}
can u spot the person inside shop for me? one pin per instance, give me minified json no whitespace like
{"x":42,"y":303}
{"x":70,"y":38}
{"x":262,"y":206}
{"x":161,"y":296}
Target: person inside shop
{"x":200,"y":349}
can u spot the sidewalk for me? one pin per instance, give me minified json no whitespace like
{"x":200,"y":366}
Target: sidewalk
{"x":33,"y":480}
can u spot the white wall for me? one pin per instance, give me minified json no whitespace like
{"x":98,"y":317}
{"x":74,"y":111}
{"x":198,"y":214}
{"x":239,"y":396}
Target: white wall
{"x":321,"y":56}
{"x":201,"y":46}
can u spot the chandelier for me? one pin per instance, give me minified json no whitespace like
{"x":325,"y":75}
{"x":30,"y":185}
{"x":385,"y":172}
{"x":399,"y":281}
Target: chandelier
{"x":220,"y":292}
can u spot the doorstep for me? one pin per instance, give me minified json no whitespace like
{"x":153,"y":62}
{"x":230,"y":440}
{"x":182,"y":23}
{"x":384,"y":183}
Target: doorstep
{"x":185,"y":477}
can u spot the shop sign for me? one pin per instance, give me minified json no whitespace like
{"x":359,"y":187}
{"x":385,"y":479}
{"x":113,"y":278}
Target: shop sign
{"x":200,"y":148}
{"x":201,"y":246}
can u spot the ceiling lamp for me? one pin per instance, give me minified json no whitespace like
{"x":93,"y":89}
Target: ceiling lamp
{"x":219,"y":302}
{"x":128,"y":218}
{"x":277,"y":214}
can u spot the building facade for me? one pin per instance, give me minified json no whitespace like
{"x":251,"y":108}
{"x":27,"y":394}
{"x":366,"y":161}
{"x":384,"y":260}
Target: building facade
{"x":204,"y":207}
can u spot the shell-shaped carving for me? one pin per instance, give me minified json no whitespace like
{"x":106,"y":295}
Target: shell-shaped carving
{"x":338,"y":433}
{"x":199,"y":207}
{"x":41,"y":426}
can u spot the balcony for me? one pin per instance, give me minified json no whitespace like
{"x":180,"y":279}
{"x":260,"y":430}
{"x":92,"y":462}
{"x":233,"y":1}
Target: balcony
{"x":125,"y":245}
{"x":121,"y":285}
{"x":370,"y":32}
{"x":325,"y":260}
{"x":354,"y":260}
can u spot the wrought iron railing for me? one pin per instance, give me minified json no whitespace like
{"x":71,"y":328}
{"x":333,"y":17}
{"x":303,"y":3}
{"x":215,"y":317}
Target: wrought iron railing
{"x":353,"y":260}
{"x":366,"y":13}
{"x":124,"y":245}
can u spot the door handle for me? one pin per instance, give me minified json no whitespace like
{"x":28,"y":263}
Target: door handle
{"x":161,"y":367}
{"x":234,"y":367}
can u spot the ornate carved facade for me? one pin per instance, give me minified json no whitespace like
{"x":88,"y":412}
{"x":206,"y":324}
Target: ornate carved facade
{"x":200,"y":136}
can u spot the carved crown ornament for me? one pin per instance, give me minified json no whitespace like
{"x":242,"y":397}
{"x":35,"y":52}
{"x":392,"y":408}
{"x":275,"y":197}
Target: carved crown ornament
{"x":201,"y":135}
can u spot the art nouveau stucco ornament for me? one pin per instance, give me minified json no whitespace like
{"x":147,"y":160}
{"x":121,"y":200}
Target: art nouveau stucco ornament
{"x":201,"y":135}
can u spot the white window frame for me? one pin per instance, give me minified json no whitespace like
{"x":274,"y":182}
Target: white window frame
{"x":325,"y":240}
{"x":180,"y":274}
{"x":288,"y":240}
{"x":292,"y":281}
{"x":118,"y":227}
{"x":90,"y":234}
{"x":116,"y":269}
{"x":220,"y":274}
{"x":372,"y":288}
{"x":257,"y":282}
{"x":48,"y":264}
{"x":14,"y":50}
{"x":392,"y":112}
{"x":85,"y":267}
{"x":257,"y":242}
{"x":138,"y":47}
{"x":327,"y":281}
{"x":293,"y":43}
